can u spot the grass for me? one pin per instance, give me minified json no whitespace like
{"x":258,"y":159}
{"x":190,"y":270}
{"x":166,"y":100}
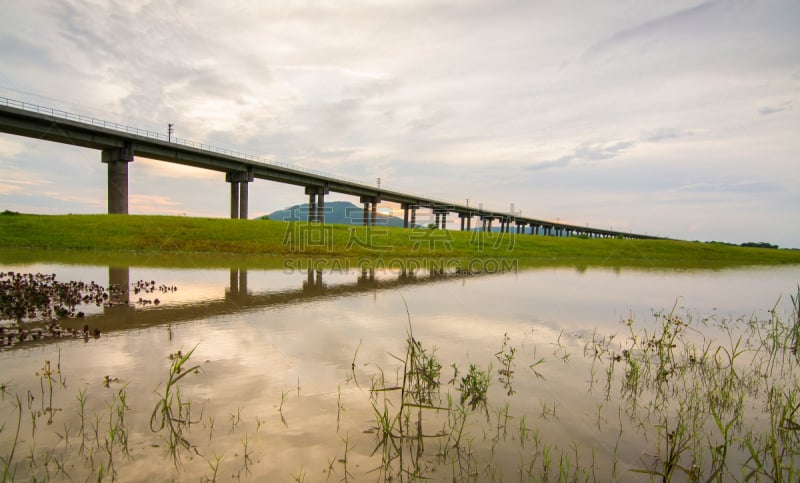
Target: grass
{"x":164,"y":240}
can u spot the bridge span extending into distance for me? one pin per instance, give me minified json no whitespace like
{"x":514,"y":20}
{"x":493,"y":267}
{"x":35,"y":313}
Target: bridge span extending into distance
{"x":119,"y":145}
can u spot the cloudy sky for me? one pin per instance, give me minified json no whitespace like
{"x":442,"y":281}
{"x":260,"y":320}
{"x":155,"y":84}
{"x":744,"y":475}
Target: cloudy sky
{"x":679,"y":118}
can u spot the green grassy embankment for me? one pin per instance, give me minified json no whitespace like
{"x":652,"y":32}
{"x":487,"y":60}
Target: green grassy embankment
{"x":262,"y":239}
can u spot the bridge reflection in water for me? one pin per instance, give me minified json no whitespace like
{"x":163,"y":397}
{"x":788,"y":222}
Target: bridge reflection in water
{"x":123,"y":313}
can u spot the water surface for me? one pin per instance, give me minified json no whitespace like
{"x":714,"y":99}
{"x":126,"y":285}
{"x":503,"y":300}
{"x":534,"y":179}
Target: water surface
{"x":287,"y":360}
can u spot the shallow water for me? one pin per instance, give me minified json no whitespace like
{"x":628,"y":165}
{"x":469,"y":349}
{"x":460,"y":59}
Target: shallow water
{"x":287,"y":360}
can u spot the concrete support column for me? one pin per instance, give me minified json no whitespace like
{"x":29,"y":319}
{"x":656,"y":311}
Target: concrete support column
{"x":243,"y":195}
{"x":238,"y":284}
{"x":436,"y":216}
{"x":469,"y":223}
{"x":119,"y":278}
{"x":413,"y":216}
{"x":243,"y":281}
{"x":117,"y":160}
{"x":316,"y":203}
{"x":465,"y":221}
{"x":312,"y":205}
{"x":234,"y":200}
{"x":239,"y":192}
{"x":444,"y":220}
{"x":321,"y":206}
{"x":370,"y":214}
{"x":405,"y":214}
{"x":234,"y":281}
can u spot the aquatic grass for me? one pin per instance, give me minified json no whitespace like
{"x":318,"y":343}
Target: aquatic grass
{"x":535,"y":364}
{"x":284,"y":394}
{"x":474,"y":386}
{"x":339,"y":406}
{"x":247,"y":459}
{"x":170,"y":412}
{"x":214,"y":466}
{"x":505,"y":357}
{"x":690,"y":408}
{"x":9,"y":468}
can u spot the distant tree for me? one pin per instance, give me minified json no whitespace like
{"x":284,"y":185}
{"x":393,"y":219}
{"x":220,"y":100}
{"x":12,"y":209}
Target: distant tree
{"x":759,"y":245}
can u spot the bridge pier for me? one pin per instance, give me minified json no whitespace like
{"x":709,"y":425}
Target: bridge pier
{"x":370,"y":214}
{"x":409,"y":215}
{"x":313,"y":281}
{"x":117,"y":160}
{"x":119,"y":279}
{"x":237,"y":284}
{"x":316,"y":203}
{"x":312,"y":204}
{"x":239,"y":191}
{"x":466,"y":221}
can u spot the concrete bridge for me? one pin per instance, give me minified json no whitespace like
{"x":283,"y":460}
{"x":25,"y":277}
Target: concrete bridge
{"x":119,"y":145}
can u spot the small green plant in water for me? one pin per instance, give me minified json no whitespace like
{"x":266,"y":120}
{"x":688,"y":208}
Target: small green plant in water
{"x":474,"y":386}
{"x":505,"y":356}
{"x":170,"y":412}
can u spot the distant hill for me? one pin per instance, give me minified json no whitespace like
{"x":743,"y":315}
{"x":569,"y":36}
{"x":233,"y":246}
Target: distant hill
{"x":337,"y":212}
